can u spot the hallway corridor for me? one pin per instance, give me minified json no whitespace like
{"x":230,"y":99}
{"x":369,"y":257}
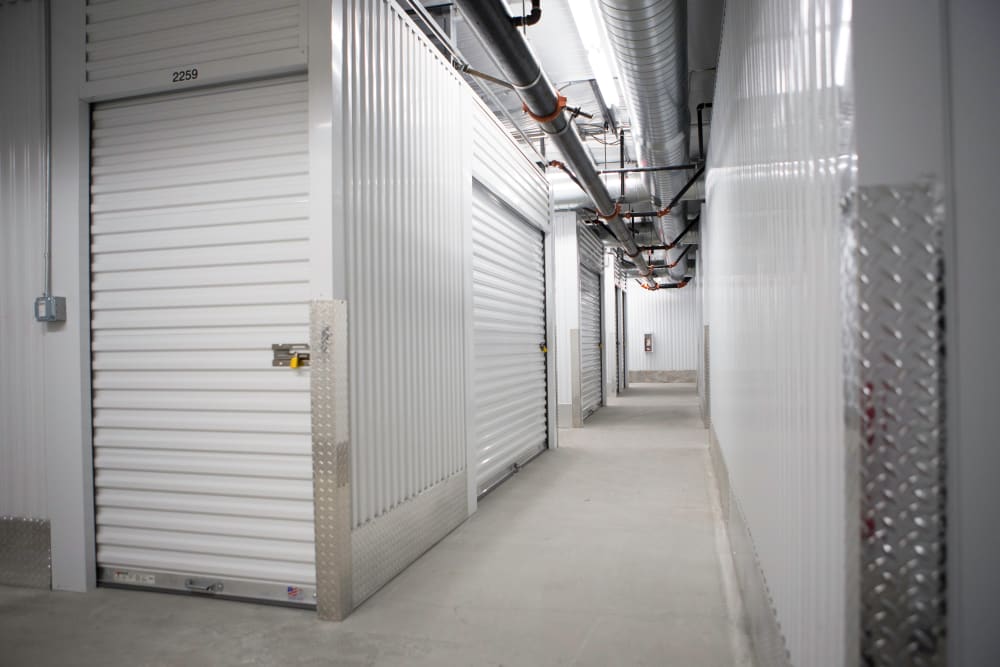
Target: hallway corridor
{"x":602,"y":552}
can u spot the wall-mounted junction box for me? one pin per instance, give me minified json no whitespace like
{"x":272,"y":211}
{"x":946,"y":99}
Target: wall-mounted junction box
{"x":647,"y":340}
{"x":50,"y":309}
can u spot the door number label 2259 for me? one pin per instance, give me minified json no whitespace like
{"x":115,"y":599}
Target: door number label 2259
{"x":185,"y":75}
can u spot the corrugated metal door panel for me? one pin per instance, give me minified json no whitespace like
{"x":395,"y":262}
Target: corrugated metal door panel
{"x":136,"y":42}
{"x":202,"y":450}
{"x":591,"y":392}
{"x":508,"y":279}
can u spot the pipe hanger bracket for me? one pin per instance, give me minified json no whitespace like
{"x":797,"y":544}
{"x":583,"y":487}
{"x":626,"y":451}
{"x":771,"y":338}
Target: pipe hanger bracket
{"x":560,"y":105}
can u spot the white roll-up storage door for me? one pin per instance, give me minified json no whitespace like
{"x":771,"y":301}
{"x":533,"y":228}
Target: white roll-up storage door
{"x":591,"y":394}
{"x":200,"y":247}
{"x":509,"y":339}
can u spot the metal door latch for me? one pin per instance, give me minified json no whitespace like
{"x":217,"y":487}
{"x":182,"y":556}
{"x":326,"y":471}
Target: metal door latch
{"x":290,"y":355}
{"x":203,"y":585}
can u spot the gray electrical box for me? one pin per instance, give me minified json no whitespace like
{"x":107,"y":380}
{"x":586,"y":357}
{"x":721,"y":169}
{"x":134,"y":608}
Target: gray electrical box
{"x":50,"y":309}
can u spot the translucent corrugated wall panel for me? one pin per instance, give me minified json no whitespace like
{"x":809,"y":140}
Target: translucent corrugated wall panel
{"x":407,"y":165}
{"x":22,"y":219}
{"x":672,"y":316}
{"x":779,"y":163}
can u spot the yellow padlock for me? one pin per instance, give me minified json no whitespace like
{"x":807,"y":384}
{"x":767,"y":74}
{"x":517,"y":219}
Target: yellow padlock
{"x":294,"y":361}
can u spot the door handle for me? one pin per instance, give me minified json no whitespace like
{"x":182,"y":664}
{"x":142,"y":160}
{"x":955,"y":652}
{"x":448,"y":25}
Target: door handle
{"x":290,"y":355}
{"x":203,"y":585}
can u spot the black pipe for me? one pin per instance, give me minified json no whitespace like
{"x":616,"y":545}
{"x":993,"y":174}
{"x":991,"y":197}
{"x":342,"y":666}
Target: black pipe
{"x":669,"y":246}
{"x":673,"y":202}
{"x":670,"y":265}
{"x":532,"y":18}
{"x":652,"y":266}
{"x":621,"y":161}
{"x":682,"y":283}
{"x":701,"y":134}
{"x":629,"y":170}
{"x":687,"y":186}
{"x":490,"y":20}
{"x":692,"y":223}
{"x":677,"y":261}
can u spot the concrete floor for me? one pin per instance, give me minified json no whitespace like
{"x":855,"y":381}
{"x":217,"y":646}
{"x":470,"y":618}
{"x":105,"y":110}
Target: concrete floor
{"x":605,"y":551}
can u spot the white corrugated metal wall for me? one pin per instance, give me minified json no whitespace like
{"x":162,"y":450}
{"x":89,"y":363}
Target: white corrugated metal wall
{"x":671,"y":315}
{"x":591,"y":250}
{"x":774,"y":307}
{"x":405,"y":156}
{"x":140,"y":46}
{"x":609,"y":289}
{"x":22,"y":218}
{"x":567,"y":306}
{"x":702,"y":336}
{"x":502,"y":168}
{"x":200,"y":262}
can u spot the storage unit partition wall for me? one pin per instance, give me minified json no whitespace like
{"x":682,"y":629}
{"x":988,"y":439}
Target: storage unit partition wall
{"x":258,"y":181}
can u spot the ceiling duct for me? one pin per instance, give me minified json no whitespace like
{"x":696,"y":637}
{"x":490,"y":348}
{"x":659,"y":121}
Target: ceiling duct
{"x":649,"y":38}
{"x":490,"y":20}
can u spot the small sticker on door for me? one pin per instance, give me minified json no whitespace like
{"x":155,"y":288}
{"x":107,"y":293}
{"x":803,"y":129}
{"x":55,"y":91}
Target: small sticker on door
{"x":133,"y":578}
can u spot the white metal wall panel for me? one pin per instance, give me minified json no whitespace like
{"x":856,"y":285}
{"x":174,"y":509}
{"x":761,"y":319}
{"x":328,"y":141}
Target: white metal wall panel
{"x":671,"y":315}
{"x":590,"y":248}
{"x":498,"y":162}
{"x":567,"y":304}
{"x":622,"y":338}
{"x":406,"y":162}
{"x":508,"y":282}
{"x":138,"y":45}
{"x":773,"y":302}
{"x":22,"y":219}
{"x":591,"y":391}
{"x":200,"y":247}
{"x":610,"y":325}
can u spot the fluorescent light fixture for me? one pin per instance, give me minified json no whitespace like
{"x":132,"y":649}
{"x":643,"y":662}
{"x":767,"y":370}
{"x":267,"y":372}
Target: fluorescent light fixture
{"x":600,"y":62}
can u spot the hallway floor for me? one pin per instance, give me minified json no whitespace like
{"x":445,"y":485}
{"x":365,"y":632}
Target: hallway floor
{"x":602,"y":552}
